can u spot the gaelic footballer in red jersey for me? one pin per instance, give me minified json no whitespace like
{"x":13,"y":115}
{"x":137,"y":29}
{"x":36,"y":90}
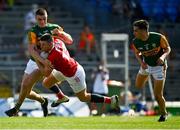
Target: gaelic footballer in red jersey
{"x":64,"y":63}
{"x":66,"y":68}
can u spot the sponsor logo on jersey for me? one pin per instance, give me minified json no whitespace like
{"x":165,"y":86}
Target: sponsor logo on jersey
{"x":146,"y":46}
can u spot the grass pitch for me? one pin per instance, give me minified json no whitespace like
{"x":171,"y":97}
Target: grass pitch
{"x":108,"y":122}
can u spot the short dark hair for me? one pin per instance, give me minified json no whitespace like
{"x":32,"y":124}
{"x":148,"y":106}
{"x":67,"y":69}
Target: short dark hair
{"x":41,"y":11}
{"x":46,"y":37}
{"x":142,"y":24}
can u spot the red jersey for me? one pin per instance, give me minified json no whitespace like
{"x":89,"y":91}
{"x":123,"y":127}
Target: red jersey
{"x":61,"y":60}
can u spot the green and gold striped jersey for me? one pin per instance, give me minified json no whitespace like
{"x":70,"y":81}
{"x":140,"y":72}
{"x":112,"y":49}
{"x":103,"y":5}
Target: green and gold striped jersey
{"x":151,"y":49}
{"x":36,"y":32}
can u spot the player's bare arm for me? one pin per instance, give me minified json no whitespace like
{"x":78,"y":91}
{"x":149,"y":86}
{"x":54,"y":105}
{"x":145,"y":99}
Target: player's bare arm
{"x":165,"y":45}
{"x":34,"y":53}
{"x":65,"y":37}
{"x":139,"y":58}
{"x":45,"y":70}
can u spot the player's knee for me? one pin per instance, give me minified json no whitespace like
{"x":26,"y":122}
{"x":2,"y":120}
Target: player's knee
{"x":25,"y":85}
{"x":83,"y":98}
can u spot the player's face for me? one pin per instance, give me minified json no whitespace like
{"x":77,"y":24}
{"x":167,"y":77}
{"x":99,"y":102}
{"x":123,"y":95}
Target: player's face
{"x":137,"y":32}
{"x":41,"y":20}
{"x":45,"y":46}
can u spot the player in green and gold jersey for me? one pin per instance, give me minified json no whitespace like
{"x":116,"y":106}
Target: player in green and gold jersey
{"x":151,"y":50}
{"x":32,"y":73}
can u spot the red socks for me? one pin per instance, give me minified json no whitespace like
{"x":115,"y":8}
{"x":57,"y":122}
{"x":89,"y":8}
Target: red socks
{"x":107,"y":100}
{"x":60,"y":95}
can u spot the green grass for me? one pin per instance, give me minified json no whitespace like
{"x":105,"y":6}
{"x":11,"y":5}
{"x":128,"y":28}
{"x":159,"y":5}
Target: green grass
{"x":108,"y":122}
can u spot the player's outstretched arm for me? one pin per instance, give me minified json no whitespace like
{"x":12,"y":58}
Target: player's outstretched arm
{"x":166,"y":48}
{"x":65,"y":37}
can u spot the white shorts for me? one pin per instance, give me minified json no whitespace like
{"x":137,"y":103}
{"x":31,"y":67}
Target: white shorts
{"x":76,"y":82}
{"x":158,"y":72}
{"x":30,"y":67}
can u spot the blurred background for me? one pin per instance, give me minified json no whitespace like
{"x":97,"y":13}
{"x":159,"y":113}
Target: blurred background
{"x":93,"y":17}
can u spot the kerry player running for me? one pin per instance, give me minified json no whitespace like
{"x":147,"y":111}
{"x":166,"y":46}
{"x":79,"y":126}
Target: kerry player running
{"x":151,"y":50}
